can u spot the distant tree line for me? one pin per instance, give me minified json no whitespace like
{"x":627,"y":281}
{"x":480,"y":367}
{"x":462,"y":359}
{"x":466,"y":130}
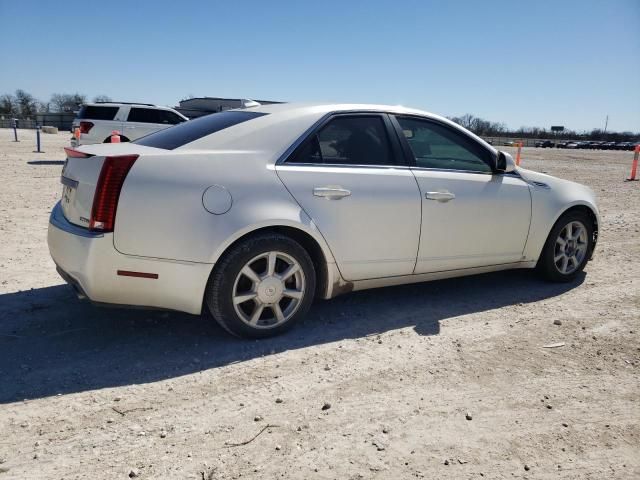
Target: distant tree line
{"x":485,"y":128}
{"x":23,"y":104}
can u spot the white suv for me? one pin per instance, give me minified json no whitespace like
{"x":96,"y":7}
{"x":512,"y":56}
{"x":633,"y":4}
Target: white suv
{"x":133,"y":120}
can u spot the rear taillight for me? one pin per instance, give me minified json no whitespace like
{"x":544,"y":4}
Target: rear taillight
{"x":105,"y":202}
{"x":85,"y":127}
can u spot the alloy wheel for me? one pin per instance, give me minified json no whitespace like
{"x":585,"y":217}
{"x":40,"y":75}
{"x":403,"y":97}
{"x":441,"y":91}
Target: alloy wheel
{"x":570,"y":247}
{"x":268,"y":290}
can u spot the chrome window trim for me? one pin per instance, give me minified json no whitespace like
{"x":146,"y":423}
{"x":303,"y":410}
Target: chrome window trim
{"x":349,"y":165}
{"x":396,"y":167}
{"x":58,"y":220}
{"x":451,"y":170}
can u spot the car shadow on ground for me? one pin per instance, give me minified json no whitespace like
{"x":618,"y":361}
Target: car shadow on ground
{"x":51,"y":343}
{"x":46,"y":162}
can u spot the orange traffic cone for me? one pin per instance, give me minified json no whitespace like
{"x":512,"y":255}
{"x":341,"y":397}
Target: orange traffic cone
{"x":518,"y":153}
{"x":634,"y":165}
{"x":115,"y":136}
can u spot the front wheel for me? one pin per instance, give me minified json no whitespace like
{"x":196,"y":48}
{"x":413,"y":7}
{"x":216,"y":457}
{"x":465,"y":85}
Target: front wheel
{"x":568,"y":247}
{"x":262,"y":286}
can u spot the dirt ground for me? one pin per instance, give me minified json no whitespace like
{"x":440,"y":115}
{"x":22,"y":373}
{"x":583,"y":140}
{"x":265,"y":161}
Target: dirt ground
{"x":446,"y":379}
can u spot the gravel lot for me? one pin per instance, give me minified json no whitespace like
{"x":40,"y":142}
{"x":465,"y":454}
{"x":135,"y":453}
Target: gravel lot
{"x":438,"y":380}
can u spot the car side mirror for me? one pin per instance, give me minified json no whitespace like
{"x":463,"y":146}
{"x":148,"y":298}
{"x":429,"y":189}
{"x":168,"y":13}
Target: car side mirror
{"x":505,"y":163}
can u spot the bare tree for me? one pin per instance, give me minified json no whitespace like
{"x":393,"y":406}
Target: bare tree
{"x":27,"y":104}
{"x":61,"y":101}
{"x":102,"y":98}
{"x":8,"y":104}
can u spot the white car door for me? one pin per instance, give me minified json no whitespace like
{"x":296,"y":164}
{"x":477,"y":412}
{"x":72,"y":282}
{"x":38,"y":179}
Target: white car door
{"x":366,"y":206}
{"x":471,"y":216}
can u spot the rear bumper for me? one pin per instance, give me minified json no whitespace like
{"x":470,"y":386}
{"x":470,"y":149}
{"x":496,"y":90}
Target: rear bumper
{"x":89,"y":262}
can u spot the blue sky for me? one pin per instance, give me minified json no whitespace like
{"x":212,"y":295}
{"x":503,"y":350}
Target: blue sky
{"x":537,"y":63}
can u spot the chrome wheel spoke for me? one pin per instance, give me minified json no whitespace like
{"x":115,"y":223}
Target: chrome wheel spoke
{"x":271,"y":263}
{"x":244,"y":297}
{"x":563,"y":264}
{"x":297,"y":294}
{"x":248,"y":272}
{"x":277,"y":312}
{"x":255,"y":315}
{"x":288,"y":272}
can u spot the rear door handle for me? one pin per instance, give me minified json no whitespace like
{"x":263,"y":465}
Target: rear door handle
{"x":439,"y":196}
{"x":331,"y":193}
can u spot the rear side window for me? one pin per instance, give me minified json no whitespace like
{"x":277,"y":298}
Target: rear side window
{"x":358,"y":140}
{"x":146,"y":115}
{"x":192,"y":130}
{"x":90,"y":112}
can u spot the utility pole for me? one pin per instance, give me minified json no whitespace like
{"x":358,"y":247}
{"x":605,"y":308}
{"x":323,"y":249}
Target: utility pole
{"x":606,"y":122}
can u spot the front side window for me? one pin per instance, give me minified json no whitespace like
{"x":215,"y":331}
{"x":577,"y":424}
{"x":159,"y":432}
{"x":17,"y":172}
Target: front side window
{"x":357,"y":140}
{"x":437,"y":146}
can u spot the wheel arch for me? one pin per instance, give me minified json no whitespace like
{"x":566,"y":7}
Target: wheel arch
{"x":582,"y":207}
{"x":313,"y":243}
{"x":590,"y":212}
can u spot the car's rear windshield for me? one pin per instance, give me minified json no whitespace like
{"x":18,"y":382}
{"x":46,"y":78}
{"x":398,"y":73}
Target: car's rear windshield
{"x":92,"y":112}
{"x":187,"y":132}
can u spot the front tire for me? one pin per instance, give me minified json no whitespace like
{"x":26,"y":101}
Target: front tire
{"x":262,"y":286}
{"x":568,"y":247}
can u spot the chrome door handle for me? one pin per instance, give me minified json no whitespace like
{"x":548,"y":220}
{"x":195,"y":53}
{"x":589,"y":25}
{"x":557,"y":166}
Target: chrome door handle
{"x":439,"y":196}
{"x":331,"y":193}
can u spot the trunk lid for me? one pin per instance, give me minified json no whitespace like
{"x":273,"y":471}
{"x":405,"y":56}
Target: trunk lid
{"x":81,"y":172}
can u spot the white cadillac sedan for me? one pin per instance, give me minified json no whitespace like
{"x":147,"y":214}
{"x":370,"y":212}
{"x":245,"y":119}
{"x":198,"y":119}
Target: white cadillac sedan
{"x":253,"y":213}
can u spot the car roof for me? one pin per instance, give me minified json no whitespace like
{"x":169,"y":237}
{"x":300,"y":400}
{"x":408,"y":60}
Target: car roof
{"x":336,"y":108}
{"x":283,"y":124}
{"x":118,"y":104}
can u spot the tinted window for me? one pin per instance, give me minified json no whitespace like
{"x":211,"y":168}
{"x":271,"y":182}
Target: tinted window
{"x":437,"y":146}
{"x":91,"y":112}
{"x":192,"y":130}
{"x":146,"y":115}
{"x":357,"y":140}
{"x":172,"y":118}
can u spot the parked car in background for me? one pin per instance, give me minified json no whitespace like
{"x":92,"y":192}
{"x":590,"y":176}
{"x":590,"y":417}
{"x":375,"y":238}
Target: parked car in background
{"x":609,"y":146}
{"x":562,"y":144}
{"x":544,"y":144}
{"x":97,"y":120}
{"x":572,"y":145}
{"x":253,"y":213}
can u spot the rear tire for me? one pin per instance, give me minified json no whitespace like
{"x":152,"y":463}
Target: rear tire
{"x":262,"y":286}
{"x":568,"y":248}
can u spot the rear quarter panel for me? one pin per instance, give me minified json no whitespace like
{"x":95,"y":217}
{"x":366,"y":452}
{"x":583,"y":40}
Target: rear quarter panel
{"x":160,"y":213}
